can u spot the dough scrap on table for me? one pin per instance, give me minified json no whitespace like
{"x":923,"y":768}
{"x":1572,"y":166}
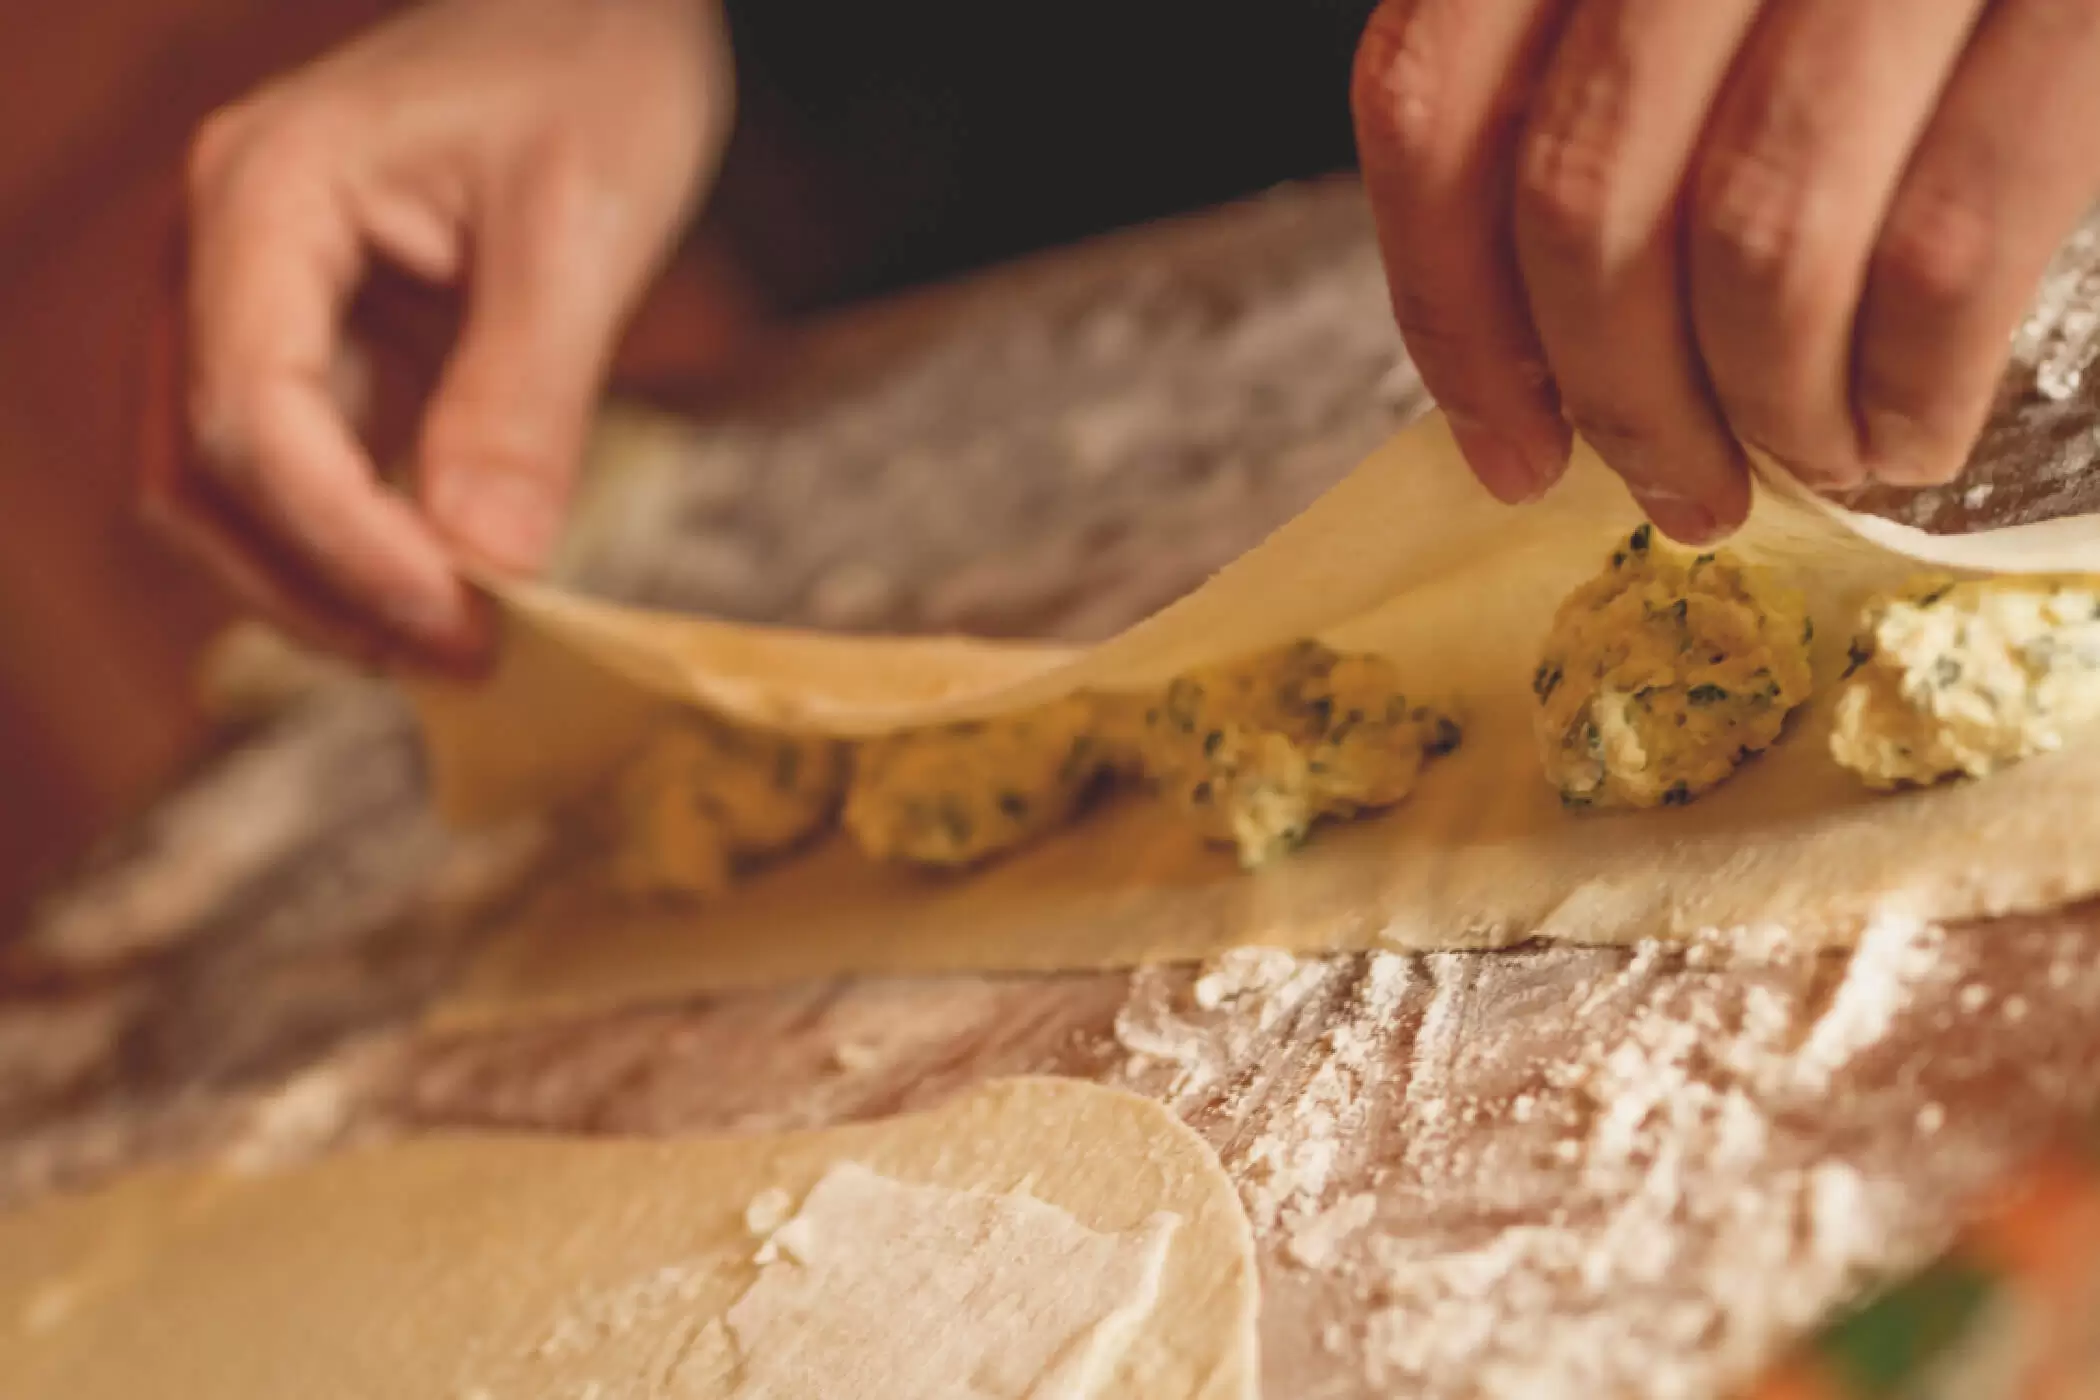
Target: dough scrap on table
{"x":1033,"y":1237}
{"x":1961,"y":678}
{"x":1256,"y":752}
{"x":1665,"y":673}
{"x":1045,"y":1306}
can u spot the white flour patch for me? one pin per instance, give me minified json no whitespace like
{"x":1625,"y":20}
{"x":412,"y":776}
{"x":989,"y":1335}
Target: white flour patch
{"x":1566,"y":1172}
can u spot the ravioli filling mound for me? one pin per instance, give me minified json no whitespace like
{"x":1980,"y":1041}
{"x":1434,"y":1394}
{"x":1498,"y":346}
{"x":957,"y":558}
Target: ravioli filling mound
{"x":960,"y":793}
{"x":1256,"y":752}
{"x":1665,"y":673}
{"x":1959,"y":679}
{"x":702,"y":798}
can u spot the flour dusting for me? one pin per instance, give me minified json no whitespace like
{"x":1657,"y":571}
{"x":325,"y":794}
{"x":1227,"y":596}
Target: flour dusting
{"x":1566,"y":1172}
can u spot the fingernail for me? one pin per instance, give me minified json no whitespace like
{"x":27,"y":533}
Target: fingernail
{"x":505,"y":519}
{"x":1511,"y":472}
{"x":1901,"y":452}
{"x":436,"y":612}
{"x":451,"y":634}
{"x":1682,"y":519}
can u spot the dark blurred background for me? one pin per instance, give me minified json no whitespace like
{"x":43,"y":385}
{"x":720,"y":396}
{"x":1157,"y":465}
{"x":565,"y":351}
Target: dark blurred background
{"x":879,"y":146}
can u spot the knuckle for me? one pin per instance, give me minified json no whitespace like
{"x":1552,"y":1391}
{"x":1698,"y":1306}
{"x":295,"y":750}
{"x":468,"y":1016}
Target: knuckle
{"x":563,"y":192}
{"x":1589,"y":185}
{"x":1397,"y":88}
{"x":1749,"y":209}
{"x":1756,"y":243}
{"x":213,"y":148}
{"x":1566,"y":177}
{"x":258,"y":150}
{"x":1936,"y":247}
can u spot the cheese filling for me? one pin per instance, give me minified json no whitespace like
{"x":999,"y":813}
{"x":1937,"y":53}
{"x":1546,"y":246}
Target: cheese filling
{"x":957,"y":794}
{"x":1256,"y":752}
{"x":1664,"y":674}
{"x":702,"y":797}
{"x":1959,"y":679}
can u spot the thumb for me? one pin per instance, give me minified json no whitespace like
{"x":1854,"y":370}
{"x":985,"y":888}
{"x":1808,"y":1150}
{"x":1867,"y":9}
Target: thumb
{"x":552,"y":282}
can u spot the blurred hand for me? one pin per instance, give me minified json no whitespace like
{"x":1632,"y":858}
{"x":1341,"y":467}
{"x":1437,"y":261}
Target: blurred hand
{"x":541,"y":156}
{"x":1680,"y":225}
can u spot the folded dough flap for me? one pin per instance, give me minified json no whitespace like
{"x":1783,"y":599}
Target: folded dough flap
{"x":1402,"y":556}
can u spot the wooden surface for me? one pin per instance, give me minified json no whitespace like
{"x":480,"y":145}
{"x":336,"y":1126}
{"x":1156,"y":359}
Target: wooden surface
{"x":1573,"y":1157}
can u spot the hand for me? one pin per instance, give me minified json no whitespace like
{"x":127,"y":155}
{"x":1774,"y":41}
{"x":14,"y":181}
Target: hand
{"x":540,"y":155}
{"x":1809,"y":226}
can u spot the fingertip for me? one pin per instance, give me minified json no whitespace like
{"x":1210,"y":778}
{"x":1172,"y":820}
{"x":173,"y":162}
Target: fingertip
{"x":1686,"y":521}
{"x":1899,"y":451}
{"x":450,"y":629}
{"x":473,"y":652}
{"x":1828,"y":476}
{"x":466,"y":657}
{"x":504,"y":518}
{"x":1691,"y":508}
{"x":1515,"y":467}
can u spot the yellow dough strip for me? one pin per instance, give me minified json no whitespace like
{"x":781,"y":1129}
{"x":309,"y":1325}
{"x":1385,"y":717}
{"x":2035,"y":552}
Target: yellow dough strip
{"x":1407,"y":559}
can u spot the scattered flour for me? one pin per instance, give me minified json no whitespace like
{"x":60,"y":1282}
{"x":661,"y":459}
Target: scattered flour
{"x":1319,"y":1239}
{"x":1197,"y":1049}
{"x":768,"y":1211}
{"x":1242,"y":973}
{"x":1558,"y":1172}
{"x":1895,"y":958}
{"x":1286,"y":1170}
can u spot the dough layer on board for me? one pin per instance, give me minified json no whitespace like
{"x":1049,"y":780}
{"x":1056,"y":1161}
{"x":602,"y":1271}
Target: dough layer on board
{"x":1050,"y":1304}
{"x":1104,"y":1250}
{"x":1407,"y":558}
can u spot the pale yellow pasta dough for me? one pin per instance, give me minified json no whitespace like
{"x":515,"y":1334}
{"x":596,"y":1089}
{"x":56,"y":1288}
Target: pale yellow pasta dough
{"x":1406,"y":559}
{"x":1033,"y":1238}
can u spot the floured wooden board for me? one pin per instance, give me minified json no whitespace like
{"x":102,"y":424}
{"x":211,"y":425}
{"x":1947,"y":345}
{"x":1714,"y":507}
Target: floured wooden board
{"x":1036,"y":1238}
{"x":1408,"y":558}
{"x":1599,"y":1171}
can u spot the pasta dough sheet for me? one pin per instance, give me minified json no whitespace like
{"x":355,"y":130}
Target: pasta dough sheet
{"x":1407,"y":557}
{"x":1101,"y":1249}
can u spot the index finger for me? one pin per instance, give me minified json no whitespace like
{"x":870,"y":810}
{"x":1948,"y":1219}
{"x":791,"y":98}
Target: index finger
{"x":1438,"y":98}
{"x":187,"y":510}
{"x":272,"y":264}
